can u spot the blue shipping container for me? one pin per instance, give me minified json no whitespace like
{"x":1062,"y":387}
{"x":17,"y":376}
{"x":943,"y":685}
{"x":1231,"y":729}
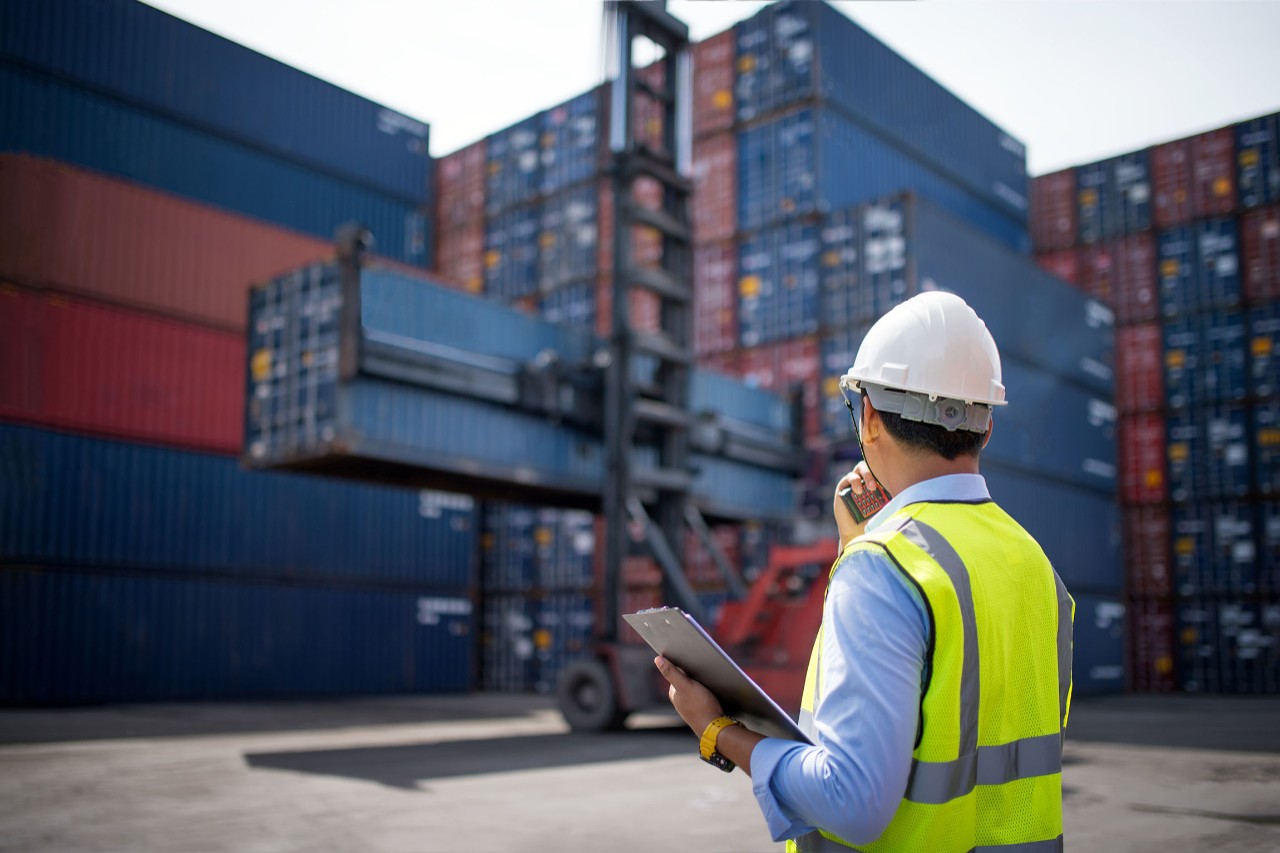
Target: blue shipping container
{"x":797,"y":52}
{"x":1098,"y":652}
{"x":79,"y":501}
{"x":571,"y":305}
{"x":1228,"y":645}
{"x":1264,"y":350}
{"x":909,"y":246}
{"x":1214,"y":548}
{"x":572,"y":142}
{"x":529,"y":548}
{"x":511,"y":253}
{"x":508,"y":664}
{"x":1178,"y":270}
{"x":42,"y":116}
{"x":1269,"y":547}
{"x":778,"y":289}
{"x":1258,"y":156}
{"x":1225,"y":375}
{"x":149,"y":59}
{"x":69,"y":637}
{"x":1113,"y":197}
{"x":814,"y":161}
{"x":514,"y":165}
{"x":1183,"y":350}
{"x":1199,"y":267}
{"x":1264,"y":447}
{"x":568,"y":241}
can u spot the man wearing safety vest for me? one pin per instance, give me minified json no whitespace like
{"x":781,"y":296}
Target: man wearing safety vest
{"x":937,"y":694}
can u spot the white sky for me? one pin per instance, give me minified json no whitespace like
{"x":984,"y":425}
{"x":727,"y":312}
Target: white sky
{"x":1076,"y":80}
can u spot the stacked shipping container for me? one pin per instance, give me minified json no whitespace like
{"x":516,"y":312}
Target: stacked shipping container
{"x":1181,"y":240}
{"x":138,"y":560}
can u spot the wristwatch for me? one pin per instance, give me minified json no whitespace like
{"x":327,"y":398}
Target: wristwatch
{"x":707,"y":747}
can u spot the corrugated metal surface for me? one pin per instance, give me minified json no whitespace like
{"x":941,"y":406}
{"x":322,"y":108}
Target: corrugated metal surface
{"x":1151,"y":645}
{"x":1269,"y":547}
{"x":1258,"y":155}
{"x":568,"y":240}
{"x":1053,"y":210}
{"x":1208,"y":452}
{"x":514,"y":165}
{"x":571,"y":142}
{"x":135,"y":246}
{"x":816,"y":161}
{"x":713,"y":81}
{"x":1055,"y":514}
{"x":1098,"y":660}
{"x":86,"y":637}
{"x":460,"y":256}
{"x":1264,"y":350}
{"x":1139,"y":368}
{"x":1113,"y":197}
{"x":461,"y":184}
{"x":1194,"y":178}
{"x":778,"y":285}
{"x":845,"y":299}
{"x":1141,"y":455}
{"x":45,"y":117}
{"x":87,"y":502}
{"x":1183,"y":358}
{"x":507,"y":652}
{"x":715,"y":184}
{"x":1205,"y":358}
{"x":536,"y":548}
{"x":150,"y":59}
{"x":715,"y":298}
{"x":1122,"y":273}
{"x":1062,"y":263}
{"x":911,"y":246}
{"x":511,"y":253}
{"x":117,"y":373}
{"x":1147,"y":556}
{"x":1265,"y":447}
{"x":1218,"y":252}
{"x":1178,"y":268}
{"x":1228,"y":645}
{"x":1260,"y":248}
{"x":793,"y":52}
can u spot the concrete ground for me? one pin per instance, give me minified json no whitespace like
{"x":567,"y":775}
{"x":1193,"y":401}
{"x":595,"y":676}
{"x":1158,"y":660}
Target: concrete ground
{"x":500,"y":773}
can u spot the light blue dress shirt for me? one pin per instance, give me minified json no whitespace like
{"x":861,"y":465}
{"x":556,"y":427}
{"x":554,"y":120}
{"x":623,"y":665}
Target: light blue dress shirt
{"x":876,"y":636}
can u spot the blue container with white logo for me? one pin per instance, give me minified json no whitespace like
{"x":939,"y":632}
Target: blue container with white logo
{"x":1258,"y":159}
{"x":511,"y":253}
{"x":778,"y":292}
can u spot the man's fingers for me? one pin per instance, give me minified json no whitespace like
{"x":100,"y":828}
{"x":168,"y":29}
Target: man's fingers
{"x":670,"y":671}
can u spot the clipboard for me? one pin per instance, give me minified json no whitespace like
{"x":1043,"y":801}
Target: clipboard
{"x":679,"y":638}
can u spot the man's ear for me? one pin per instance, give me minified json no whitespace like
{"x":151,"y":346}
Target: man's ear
{"x":871,"y":424}
{"x":991,"y":427}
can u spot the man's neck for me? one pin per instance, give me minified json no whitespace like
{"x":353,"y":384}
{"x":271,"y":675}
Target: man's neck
{"x":911,"y":468}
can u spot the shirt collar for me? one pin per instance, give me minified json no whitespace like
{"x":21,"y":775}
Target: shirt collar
{"x":952,"y":487}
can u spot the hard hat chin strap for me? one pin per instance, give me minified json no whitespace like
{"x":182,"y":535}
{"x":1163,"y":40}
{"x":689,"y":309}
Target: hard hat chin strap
{"x":947,"y":413}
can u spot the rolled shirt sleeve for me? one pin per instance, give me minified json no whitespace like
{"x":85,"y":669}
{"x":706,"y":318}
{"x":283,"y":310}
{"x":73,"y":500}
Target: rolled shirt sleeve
{"x":851,"y":780}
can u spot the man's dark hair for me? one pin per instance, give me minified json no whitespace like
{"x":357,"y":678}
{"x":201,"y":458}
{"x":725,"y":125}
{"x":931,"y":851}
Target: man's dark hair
{"x":932,"y":437}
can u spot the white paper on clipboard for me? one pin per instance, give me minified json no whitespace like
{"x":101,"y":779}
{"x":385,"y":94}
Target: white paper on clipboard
{"x":679,"y":638}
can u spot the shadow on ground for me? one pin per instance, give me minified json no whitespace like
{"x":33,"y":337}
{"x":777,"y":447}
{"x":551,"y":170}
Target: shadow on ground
{"x":408,"y":765}
{"x":1232,"y":723}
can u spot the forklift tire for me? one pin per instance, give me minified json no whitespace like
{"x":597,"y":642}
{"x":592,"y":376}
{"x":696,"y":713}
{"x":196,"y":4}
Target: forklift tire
{"x":588,"y":697}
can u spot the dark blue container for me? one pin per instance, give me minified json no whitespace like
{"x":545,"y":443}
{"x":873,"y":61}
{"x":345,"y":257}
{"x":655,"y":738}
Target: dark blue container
{"x":526,"y":548}
{"x":571,"y":305}
{"x":796,"y":52}
{"x":42,"y":116}
{"x":79,"y":501}
{"x":572,"y":142}
{"x":1264,"y":350}
{"x":564,"y":625}
{"x":568,"y":241}
{"x":909,"y":246}
{"x":1113,"y":197}
{"x":1098,"y":651}
{"x":1227,"y":645}
{"x":508,"y":555}
{"x":508,"y":663}
{"x":511,"y":253}
{"x":1184,"y":449}
{"x":1177,"y":266}
{"x":1258,"y":156}
{"x":1183,"y":361}
{"x":87,"y":636}
{"x":300,"y":414}
{"x":778,"y":286}
{"x":515,"y":165}
{"x":814,"y":161}
{"x":1225,"y":435}
{"x":1214,"y":548}
{"x":837,"y":348}
{"x":1269,"y":547}
{"x":842,"y":291}
{"x":1219,"y":262}
{"x":141,"y":56}
{"x":1225,"y":374}
{"x":1264,"y":447}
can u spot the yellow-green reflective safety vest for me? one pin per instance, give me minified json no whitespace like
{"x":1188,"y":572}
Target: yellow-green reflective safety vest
{"x":986,"y":773}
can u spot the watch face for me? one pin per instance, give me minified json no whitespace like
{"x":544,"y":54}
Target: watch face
{"x":719,"y":761}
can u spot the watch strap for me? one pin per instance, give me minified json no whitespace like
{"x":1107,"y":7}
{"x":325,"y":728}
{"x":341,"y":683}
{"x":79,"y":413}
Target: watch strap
{"x":707,"y":745}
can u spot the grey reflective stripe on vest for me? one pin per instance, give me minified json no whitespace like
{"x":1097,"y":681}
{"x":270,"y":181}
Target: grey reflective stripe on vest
{"x":1064,"y":647}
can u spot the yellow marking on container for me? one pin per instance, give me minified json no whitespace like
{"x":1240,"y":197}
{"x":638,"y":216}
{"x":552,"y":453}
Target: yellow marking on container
{"x":749,"y":286}
{"x":307,"y":358}
{"x":1164,"y":665}
{"x":1184,"y":545}
{"x":547,"y":240}
{"x":831,"y":258}
{"x":1261,"y":346}
{"x":1175,"y":358}
{"x":1222,"y":187}
{"x":722,"y":99}
{"x":1169,"y":268}
{"x":1153,"y":478}
{"x":1180,"y":196}
{"x":1088,"y":197}
{"x":746,"y":63}
{"x":1269,"y":437}
{"x":542,"y":638}
{"x":492,"y":258}
{"x":831,"y":386}
{"x":542,"y":535}
{"x":1249,"y":157}
{"x":260,"y":365}
{"x":1178,"y":451}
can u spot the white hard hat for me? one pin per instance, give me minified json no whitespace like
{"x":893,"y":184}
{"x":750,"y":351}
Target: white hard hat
{"x":937,"y":350}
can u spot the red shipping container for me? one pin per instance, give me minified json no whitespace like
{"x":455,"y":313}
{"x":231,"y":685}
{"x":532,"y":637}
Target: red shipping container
{"x":73,"y":230}
{"x":646,"y":242}
{"x":1148,"y":560}
{"x":715,"y":298}
{"x":1260,"y":242}
{"x":1142,"y":459}
{"x":715,"y":187}
{"x":108,"y":371}
{"x":1053,"y":210}
{"x":1151,"y":646}
{"x":460,"y":187}
{"x":713,"y":80}
{"x":1064,"y":263}
{"x":460,"y":257}
{"x":728,"y":363}
{"x":1139,"y":368}
{"x":1122,"y":273}
{"x":781,"y":366}
{"x":1194,"y":178}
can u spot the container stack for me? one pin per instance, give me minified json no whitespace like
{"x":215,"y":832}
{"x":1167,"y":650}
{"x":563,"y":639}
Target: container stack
{"x":822,"y":198}
{"x":149,"y":172}
{"x":1183,"y":241}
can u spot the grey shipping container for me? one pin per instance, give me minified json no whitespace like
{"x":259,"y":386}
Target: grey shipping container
{"x":799,"y":52}
{"x":89,"y":636}
{"x":152,"y":60}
